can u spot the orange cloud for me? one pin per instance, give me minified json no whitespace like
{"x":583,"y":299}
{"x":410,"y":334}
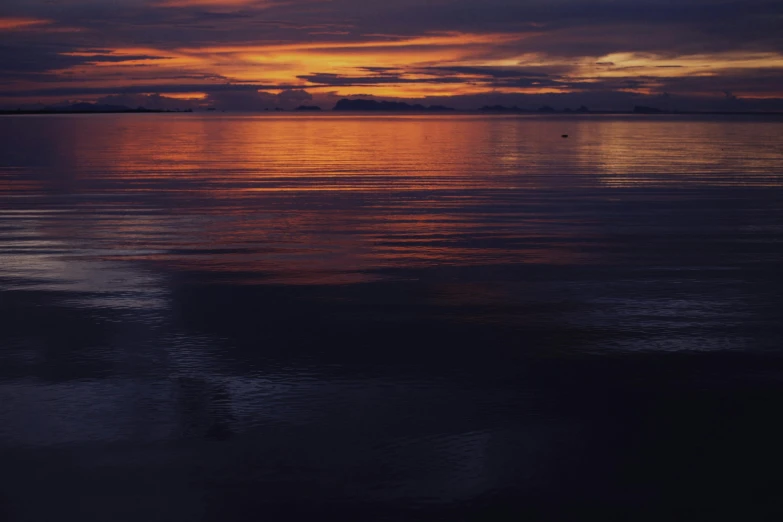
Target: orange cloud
{"x":15,"y":24}
{"x":287,"y":64}
{"x":284,"y":63}
{"x":442,"y":39}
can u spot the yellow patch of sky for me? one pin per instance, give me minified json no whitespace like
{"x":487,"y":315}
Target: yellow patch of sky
{"x":408,"y":90}
{"x":685,"y":65}
{"x":186,"y":95}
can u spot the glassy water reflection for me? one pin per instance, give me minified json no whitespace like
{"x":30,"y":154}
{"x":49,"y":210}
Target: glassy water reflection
{"x":388,"y":317}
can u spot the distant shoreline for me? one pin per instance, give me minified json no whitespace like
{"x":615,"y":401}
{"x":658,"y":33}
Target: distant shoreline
{"x":55,"y":111}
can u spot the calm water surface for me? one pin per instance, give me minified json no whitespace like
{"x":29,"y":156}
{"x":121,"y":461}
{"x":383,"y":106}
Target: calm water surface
{"x":218,"y":318}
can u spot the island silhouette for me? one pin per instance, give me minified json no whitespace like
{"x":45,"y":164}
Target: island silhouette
{"x":386,"y":106}
{"x":642,"y":109}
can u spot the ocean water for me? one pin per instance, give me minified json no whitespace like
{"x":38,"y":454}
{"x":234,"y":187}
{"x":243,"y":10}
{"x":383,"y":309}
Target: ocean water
{"x":346,"y":317}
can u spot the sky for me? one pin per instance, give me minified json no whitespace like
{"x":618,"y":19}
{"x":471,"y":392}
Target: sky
{"x":263,"y":54}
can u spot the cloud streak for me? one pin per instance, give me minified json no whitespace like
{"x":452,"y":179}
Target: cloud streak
{"x":20,"y":23}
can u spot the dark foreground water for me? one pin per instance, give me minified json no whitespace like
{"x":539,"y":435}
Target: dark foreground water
{"x":214,"y":318}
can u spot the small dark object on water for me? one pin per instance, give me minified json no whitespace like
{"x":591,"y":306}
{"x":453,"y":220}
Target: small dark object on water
{"x":565,"y":135}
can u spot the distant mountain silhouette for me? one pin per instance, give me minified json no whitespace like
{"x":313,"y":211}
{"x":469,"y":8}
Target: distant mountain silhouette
{"x":440,"y":108}
{"x":501,"y":108}
{"x":372,"y":105}
{"x":546,"y":108}
{"x":308,"y":108}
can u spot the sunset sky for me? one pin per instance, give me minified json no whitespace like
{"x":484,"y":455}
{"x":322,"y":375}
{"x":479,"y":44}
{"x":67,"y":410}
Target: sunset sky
{"x":251,"y":54}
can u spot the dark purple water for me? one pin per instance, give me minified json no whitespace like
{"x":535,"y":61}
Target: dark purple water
{"x":220,"y":318}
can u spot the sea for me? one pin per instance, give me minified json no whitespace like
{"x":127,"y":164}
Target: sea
{"x":391,"y":317}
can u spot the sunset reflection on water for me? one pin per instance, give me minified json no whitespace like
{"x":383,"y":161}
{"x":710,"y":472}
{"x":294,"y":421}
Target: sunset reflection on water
{"x":343,"y":199}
